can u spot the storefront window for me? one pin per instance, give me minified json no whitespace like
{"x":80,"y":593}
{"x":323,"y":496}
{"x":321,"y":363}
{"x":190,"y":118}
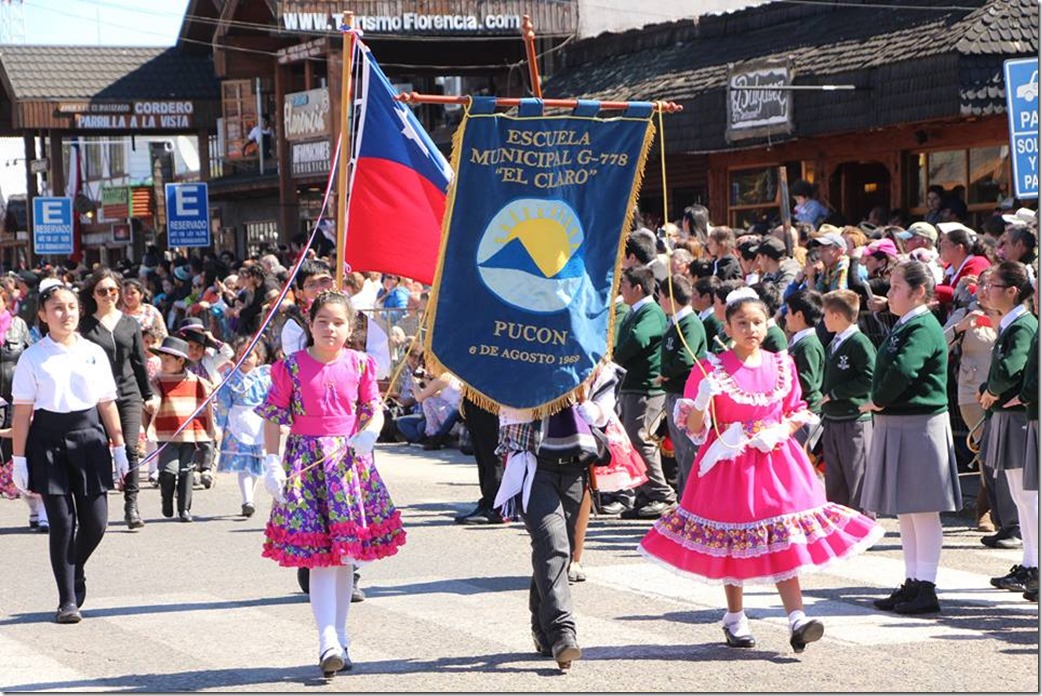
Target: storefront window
{"x":980,"y":175}
{"x":259,"y":235}
{"x":753,"y":196}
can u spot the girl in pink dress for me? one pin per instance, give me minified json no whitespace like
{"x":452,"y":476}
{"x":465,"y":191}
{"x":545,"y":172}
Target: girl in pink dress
{"x":331,"y":508}
{"x":756,"y":511}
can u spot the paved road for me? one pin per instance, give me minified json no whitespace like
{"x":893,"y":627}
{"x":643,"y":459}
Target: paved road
{"x":194,"y":607}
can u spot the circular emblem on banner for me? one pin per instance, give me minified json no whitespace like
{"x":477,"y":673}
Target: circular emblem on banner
{"x":529,"y":254}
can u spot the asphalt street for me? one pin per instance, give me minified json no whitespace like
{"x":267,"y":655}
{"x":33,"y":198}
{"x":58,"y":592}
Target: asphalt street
{"x":194,"y":607}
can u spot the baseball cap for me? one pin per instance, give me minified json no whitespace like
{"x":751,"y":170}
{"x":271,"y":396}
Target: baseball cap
{"x":885,"y":246}
{"x":923,"y":229}
{"x":831,"y":239}
{"x":772,"y":248}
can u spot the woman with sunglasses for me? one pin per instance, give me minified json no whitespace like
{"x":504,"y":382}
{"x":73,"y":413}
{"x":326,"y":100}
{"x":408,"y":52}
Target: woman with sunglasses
{"x":120,"y":337}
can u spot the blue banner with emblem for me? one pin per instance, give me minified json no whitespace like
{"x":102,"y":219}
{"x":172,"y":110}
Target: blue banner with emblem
{"x":535,"y":225}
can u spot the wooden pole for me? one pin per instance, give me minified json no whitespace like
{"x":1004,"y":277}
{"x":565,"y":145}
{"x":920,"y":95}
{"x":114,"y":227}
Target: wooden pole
{"x":528,"y":34}
{"x":345,"y":149}
{"x":414,"y":98}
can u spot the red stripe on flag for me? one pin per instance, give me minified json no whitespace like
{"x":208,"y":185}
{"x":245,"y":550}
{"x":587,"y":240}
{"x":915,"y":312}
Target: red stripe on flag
{"x":394,"y":224}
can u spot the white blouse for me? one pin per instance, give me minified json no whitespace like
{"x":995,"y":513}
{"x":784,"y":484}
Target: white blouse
{"x":62,"y":379}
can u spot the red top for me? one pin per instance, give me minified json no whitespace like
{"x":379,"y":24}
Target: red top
{"x":973,"y":266}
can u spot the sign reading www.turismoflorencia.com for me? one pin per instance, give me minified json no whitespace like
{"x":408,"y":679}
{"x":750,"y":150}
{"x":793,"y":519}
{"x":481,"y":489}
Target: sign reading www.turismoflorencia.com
{"x":461,"y":17}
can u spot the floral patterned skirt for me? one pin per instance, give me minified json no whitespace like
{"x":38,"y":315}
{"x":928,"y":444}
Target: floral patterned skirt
{"x":336,"y":513}
{"x":239,"y":457}
{"x":757,"y":518}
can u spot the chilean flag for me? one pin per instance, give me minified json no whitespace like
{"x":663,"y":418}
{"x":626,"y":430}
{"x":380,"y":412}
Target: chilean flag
{"x":398,"y":184}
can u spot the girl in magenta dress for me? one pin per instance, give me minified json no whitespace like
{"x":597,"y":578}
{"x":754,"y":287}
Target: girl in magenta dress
{"x":755,"y":511}
{"x":331,"y":508}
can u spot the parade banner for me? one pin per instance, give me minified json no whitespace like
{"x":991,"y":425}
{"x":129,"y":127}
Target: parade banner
{"x":534,"y":231}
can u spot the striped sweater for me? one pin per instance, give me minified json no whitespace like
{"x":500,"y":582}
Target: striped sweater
{"x":180,"y":394}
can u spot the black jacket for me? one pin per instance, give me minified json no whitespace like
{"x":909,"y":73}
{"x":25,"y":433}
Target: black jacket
{"x":126,"y":351}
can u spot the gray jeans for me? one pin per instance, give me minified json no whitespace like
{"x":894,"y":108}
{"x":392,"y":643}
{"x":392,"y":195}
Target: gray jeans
{"x":684,"y":449}
{"x":553,"y":507}
{"x":637,"y":412}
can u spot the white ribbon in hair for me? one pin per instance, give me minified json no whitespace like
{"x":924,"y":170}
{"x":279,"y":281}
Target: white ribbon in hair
{"x":740,"y":294}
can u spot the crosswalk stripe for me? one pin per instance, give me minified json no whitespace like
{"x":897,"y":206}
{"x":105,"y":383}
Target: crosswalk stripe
{"x":22,"y":664}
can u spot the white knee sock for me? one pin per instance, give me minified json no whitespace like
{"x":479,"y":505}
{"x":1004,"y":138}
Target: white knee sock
{"x":929,"y":538}
{"x":908,"y":549}
{"x":246,"y":486}
{"x":1027,"y":512}
{"x":345,"y":581}
{"x":322,"y":594}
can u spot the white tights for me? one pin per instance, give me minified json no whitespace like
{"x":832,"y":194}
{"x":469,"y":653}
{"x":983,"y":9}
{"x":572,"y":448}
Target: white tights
{"x":330,"y":596}
{"x":247,"y":482}
{"x":1027,"y":512}
{"x":921,"y":542}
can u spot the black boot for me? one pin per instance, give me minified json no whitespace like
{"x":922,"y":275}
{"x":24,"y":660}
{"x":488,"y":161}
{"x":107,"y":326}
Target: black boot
{"x":902,"y":594}
{"x":79,"y":586}
{"x":167,"y":484}
{"x":131,"y":515}
{"x":184,"y":495}
{"x":924,"y":602}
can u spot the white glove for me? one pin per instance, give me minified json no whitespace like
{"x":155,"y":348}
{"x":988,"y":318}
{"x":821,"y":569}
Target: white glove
{"x":119,"y":458}
{"x":730,"y":443}
{"x":363,"y":441}
{"x":591,"y":413}
{"x":275,"y":477}
{"x":20,"y":474}
{"x":770,"y":437}
{"x":707,"y":389}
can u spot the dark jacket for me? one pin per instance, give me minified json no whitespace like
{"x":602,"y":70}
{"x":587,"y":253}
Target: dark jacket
{"x":126,"y":351}
{"x":638,"y":349}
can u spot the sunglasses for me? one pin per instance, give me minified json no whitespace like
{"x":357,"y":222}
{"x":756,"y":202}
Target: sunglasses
{"x":106,"y":291}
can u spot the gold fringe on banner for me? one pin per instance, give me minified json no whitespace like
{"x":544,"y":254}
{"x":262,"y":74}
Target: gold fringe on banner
{"x":437,"y":367}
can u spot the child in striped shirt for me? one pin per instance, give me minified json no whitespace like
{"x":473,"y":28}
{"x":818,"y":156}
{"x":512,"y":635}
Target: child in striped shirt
{"x":178,"y":434}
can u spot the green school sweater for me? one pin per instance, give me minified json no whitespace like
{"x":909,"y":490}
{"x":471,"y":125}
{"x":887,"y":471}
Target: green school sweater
{"x":676,"y":361}
{"x":911,"y":371}
{"x":775,"y":340}
{"x":1029,"y":387}
{"x":848,"y":379}
{"x":639,"y":349}
{"x":621,"y":311}
{"x":1009,"y":357}
{"x":809,"y":357}
{"x":713,"y":328}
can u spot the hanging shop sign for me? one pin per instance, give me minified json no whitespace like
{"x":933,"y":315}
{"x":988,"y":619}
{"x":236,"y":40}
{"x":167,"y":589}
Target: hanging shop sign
{"x":758,"y":102}
{"x":121,"y":232}
{"x":136,"y":115}
{"x":311,"y":158}
{"x":303,"y":51}
{"x":306,"y":114}
{"x":115,"y":202}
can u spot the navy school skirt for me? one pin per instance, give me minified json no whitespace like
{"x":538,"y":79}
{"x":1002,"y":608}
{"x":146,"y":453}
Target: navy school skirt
{"x":68,"y":453}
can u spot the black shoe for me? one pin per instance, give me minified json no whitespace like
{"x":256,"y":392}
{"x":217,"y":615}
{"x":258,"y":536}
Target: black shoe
{"x":540,"y":645}
{"x":1015,"y":576}
{"x":434,"y":443}
{"x":1031,"y":596}
{"x":566,"y":650}
{"x":79,"y":587}
{"x":924,"y":602}
{"x":1002,"y":539}
{"x":1032,"y":582}
{"x":738,"y":641}
{"x":484,"y":517}
{"x":477,"y":508}
{"x":902,"y":594}
{"x":648,"y":511}
{"x":168,"y":507}
{"x":132,"y":517}
{"x":167,"y":485}
{"x":304,"y":580}
{"x":807,"y":633}
{"x":34,"y":521}
{"x":68,"y":614}
{"x":248,"y":509}
{"x":331,"y":662}
{"x":185,"y":516}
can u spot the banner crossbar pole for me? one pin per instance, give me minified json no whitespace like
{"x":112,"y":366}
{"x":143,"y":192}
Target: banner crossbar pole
{"x":509,"y":102}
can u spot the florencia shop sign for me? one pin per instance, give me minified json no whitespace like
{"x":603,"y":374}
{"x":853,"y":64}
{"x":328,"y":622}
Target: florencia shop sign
{"x":306,"y":114}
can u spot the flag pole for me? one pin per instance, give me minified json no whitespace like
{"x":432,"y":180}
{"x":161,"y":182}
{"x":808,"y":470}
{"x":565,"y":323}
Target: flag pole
{"x":528,"y":33}
{"x":345,"y":148}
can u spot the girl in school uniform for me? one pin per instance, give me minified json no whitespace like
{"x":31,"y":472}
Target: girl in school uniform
{"x":63,"y":392}
{"x":1029,"y":397}
{"x":1007,"y":291}
{"x":911,"y":469}
{"x":331,"y":507}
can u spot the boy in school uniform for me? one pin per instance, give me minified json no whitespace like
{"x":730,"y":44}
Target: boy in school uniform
{"x":804,"y":346}
{"x":775,"y":341}
{"x":677,"y":362}
{"x":849,"y":364}
{"x":180,"y":393}
{"x":702,"y":302}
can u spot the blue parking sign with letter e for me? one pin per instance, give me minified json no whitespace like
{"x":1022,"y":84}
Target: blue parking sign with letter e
{"x":52,"y":225}
{"x":187,"y":215}
{"x":1022,"y":106}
